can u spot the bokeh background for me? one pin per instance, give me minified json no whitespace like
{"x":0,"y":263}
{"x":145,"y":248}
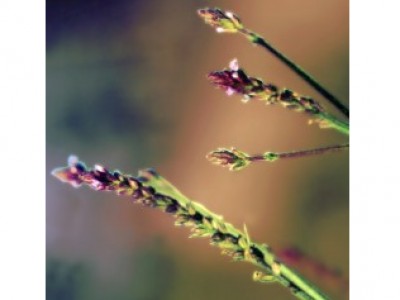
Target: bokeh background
{"x":126,"y":88}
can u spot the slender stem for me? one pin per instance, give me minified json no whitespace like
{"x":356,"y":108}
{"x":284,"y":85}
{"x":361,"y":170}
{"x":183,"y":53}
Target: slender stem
{"x":316,"y":151}
{"x":256,"y":39}
{"x":270,"y":156}
{"x":335,"y":123}
{"x":310,"y":292}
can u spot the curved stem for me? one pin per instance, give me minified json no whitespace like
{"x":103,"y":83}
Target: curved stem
{"x":258,"y":40}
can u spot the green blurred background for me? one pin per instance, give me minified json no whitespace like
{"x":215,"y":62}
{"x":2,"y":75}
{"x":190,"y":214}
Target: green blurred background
{"x":126,"y":88}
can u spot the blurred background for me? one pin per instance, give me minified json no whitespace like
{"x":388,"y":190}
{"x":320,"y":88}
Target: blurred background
{"x":126,"y":88}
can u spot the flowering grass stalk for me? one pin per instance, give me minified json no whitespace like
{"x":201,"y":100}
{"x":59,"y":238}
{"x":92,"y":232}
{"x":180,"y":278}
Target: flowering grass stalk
{"x":236,"y":160}
{"x":152,"y":190}
{"x":225,"y":21}
{"x":234,"y":80}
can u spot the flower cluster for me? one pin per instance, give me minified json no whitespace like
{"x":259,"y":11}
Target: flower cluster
{"x":143,"y":190}
{"x":235,"y":80}
{"x":101,"y":179}
{"x":222,"y":21}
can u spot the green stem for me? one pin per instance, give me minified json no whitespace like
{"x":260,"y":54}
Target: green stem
{"x":334,"y":123}
{"x":256,"y":39}
{"x":273,"y":156}
{"x":308,"y":291}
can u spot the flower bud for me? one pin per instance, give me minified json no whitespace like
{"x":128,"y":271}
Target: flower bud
{"x":234,"y":159}
{"x":222,"y":21}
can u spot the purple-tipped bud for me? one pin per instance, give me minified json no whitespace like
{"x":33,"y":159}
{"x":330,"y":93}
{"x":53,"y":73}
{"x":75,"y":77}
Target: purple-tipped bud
{"x":232,"y":158}
{"x":230,"y":82}
{"x":99,"y":178}
{"x":234,"y":80}
{"x":222,"y":21}
{"x":73,"y":173}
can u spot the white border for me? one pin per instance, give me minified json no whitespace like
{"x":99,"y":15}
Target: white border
{"x":22,"y":140}
{"x":374,"y":155}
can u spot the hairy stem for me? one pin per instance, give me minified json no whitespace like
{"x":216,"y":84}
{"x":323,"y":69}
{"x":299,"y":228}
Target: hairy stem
{"x":258,"y":40}
{"x":152,"y":190}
